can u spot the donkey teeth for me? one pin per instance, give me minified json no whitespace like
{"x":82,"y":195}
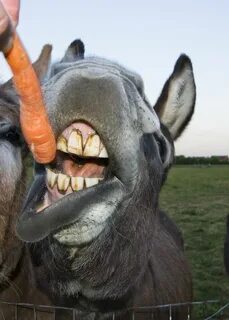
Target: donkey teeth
{"x":90,"y":182}
{"x":75,"y":143}
{"x":91,"y":148}
{"x":62,"y":144}
{"x":63,"y":182}
{"x":51,"y":177}
{"x":77,"y":183}
{"x":103,"y":153}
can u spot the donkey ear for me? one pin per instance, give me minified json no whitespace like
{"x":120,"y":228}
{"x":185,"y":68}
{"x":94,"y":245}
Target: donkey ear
{"x":42,"y":64}
{"x":175,"y":106}
{"x":74,"y":52}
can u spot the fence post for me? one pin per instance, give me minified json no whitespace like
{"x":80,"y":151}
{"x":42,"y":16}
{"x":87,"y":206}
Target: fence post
{"x":73,"y":314}
{"x":170,"y":312}
{"x":34,"y":313}
{"x":133,"y":315}
{"x":15,"y":313}
{"x":188,"y":313}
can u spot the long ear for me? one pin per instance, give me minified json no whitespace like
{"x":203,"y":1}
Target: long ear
{"x":74,"y":52}
{"x":175,"y":106}
{"x":40,"y":66}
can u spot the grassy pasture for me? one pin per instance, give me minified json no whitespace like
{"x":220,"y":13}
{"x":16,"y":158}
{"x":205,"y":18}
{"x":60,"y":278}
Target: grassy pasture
{"x":198,"y":199}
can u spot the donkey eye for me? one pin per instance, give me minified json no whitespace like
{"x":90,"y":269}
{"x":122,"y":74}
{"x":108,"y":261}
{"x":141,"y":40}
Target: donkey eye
{"x":162,"y":148}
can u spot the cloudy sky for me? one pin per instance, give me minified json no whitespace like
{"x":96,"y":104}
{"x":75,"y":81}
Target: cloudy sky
{"x":147,"y":36}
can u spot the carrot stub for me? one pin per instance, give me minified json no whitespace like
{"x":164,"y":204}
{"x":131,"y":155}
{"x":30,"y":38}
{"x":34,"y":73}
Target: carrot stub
{"x":33,"y":117}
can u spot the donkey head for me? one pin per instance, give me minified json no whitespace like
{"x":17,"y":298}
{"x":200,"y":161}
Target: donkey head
{"x":112,"y":145}
{"x":12,"y":168}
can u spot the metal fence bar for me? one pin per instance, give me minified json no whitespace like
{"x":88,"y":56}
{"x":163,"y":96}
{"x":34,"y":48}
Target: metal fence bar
{"x":189,"y":316}
{"x":133,"y":315}
{"x":218,"y":312}
{"x":15,"y":312}
{"x":170,"y":312}
{"x":202,"y":310}
{"x":34,"y":313}
{"x":73,"y":314}
{"x":177,"y":304}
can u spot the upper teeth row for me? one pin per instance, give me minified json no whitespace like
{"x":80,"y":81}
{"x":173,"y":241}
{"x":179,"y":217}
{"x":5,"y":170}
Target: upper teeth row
{"x":93,"y":146}
{"x":63,"y":181}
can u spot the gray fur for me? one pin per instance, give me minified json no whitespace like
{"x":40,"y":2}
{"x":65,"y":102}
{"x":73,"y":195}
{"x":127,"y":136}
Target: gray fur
{"x":135,"y":256}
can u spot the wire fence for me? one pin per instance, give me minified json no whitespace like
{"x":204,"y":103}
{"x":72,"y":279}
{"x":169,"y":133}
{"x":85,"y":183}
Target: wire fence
{"x":202,"y":310}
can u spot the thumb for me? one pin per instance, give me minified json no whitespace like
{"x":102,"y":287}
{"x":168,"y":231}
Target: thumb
{"x":12,"y":7}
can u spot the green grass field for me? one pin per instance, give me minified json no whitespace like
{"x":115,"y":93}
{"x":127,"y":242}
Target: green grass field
{"x":198,"y":199}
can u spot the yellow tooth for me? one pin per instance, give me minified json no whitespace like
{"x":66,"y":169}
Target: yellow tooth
{"x":77,"y":183}
{"x":90,"y":182}
{"x":91,"y":148}
{"x":51,"y":177}
{"x":103,"y":153}
{"x":63,"y":182}
{"x":62,"y":144}
{"x":66,"y":183}
{"x":75,"y":142}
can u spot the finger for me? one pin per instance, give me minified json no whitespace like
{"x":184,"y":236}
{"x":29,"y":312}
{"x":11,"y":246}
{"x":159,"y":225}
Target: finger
{"x":12,"y":7}
{"x":6,"y":30}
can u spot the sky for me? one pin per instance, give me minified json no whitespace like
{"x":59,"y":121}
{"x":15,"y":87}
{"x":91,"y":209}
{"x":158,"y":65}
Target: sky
{"x":147,"y":36}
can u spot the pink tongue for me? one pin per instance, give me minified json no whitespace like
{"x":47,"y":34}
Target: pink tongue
{"x":84,"y":128}
{"x":89,"y":170}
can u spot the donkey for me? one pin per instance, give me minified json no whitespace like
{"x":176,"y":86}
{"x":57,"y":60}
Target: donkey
{"x":226,"y":247}
{"x":16,"y":276}
{"x":101,"y":243}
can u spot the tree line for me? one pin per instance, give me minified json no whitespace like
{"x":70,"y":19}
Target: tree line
{"x":202,"y":160}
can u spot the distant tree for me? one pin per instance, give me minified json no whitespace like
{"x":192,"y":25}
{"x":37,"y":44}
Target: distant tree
{"x":181,"y":159}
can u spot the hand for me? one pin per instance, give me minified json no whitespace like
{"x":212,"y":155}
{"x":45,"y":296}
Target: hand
{"x":8,"y":8}
{"x":12,"y":7}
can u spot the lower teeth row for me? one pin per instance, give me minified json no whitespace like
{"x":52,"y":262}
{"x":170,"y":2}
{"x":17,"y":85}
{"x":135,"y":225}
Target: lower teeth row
{"x":63,"y":181}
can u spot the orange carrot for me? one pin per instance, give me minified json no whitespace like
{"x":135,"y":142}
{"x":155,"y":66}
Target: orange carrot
{"x":33,"y":117}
